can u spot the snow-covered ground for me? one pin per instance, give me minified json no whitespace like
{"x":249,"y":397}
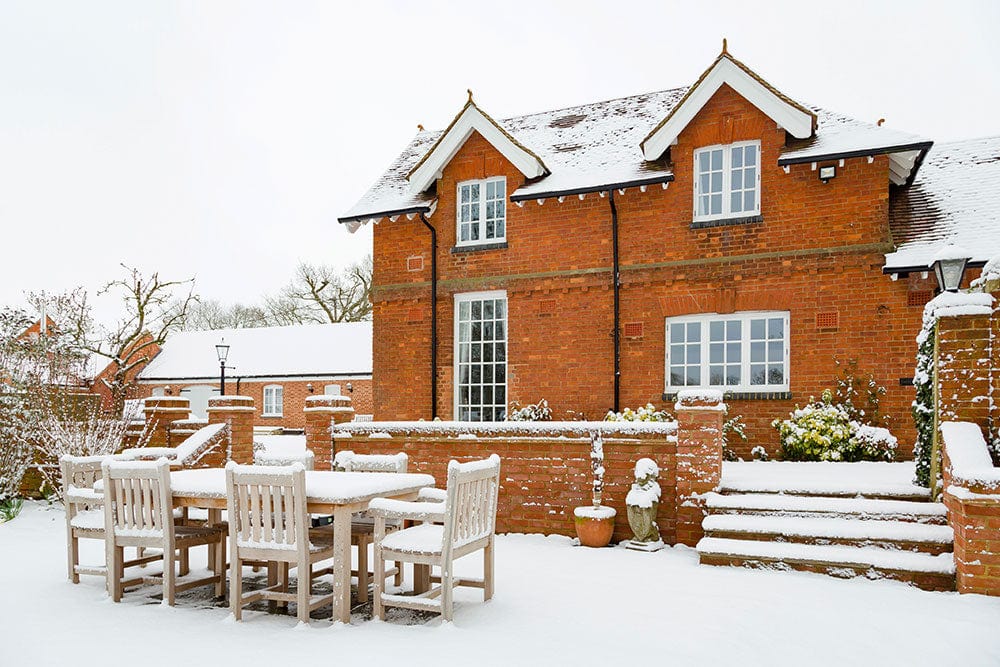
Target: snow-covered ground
{"x":555,"y":604}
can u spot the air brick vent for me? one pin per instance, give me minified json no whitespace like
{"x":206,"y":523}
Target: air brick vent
{"x":633,"y":330}
{"x":828,"y":320}
{"x":918,"y":297}
{"x":415,"y":263}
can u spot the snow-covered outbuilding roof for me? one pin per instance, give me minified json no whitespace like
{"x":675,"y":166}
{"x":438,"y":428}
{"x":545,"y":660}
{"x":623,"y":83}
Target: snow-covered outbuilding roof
{"x":954,"y":199}
{"x":600,"y":146}
{"x":308,"y":350}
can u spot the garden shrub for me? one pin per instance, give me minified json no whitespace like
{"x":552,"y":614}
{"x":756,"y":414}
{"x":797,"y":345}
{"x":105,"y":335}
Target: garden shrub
{"x":647,"y":413}
{"x":732,"y":427}
{"x":536,"y":412}
{"x":824,"y":431}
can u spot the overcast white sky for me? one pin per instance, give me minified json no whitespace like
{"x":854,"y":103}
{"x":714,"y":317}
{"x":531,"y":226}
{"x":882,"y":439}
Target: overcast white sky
{"x":222,"y":139}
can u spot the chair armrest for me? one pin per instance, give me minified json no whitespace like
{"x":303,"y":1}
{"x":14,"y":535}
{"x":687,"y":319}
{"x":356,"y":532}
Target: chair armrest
{"x":432,"y":495}
{"x":404,"y":509}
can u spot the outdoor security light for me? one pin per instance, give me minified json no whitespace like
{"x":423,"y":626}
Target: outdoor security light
{"x":826,"y":173}
{"x":350,"y":387}
{"x":949,"y":266}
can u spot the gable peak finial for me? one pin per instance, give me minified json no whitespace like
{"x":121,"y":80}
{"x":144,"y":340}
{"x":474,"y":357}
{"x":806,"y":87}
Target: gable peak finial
{"x":725,"y":47}
{"x":469,"y":90}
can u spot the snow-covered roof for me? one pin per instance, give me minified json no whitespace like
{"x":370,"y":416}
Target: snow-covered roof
{"x":597,"y":146}
{"x":301,"y":350}
{"x":954,"y":199}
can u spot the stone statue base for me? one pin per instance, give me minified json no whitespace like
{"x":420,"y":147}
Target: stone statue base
{"x":643,"y":546}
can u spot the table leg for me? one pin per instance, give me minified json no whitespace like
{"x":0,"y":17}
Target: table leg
{"x":214,"y":517}
{"x":342,"y":565}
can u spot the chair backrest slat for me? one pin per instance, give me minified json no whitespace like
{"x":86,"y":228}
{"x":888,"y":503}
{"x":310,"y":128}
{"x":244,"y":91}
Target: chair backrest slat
{"x":268,"y":504}
{"x":472,"y":501}
{"x":137,"y":499}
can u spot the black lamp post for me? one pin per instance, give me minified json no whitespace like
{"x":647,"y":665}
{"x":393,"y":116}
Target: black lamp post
{"x":222,"y":350}
{"x":949,"y":266}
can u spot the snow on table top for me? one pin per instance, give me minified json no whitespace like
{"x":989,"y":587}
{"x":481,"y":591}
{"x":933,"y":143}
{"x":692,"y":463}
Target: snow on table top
{"x":321,"y":486}
{"x":837,"y":554}
{"x":831,"y":527}
{"x":954,"y":198}
{"x":821,"y":478}
{"x":866,"y":506}
{"x":321,"y":349}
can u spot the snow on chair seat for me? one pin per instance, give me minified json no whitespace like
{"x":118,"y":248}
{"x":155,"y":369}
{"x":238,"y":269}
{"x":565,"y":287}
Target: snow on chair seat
{"x":468,"y":521}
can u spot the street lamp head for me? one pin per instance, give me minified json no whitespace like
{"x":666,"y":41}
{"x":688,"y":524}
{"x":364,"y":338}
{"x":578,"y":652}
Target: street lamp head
{"x":222,"y":350}
{"x":949,"y":266}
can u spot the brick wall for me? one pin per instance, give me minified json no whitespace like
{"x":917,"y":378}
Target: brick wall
{"x":294,"y":396}
{"x":545,"y":468}
{"x":818,"y":253}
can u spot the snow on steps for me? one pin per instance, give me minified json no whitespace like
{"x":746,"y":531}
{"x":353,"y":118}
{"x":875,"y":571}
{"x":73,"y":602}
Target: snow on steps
{"x":930,"y":572}
{"x":870,"y":480}
{"x":905,"y":535}
{"x":858,"y":508}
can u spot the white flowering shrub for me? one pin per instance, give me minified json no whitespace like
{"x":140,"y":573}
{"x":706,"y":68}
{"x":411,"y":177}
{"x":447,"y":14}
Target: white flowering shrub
{"x":824,"y":431}
{"x":647,"y":413}
{"x":537,"y":412}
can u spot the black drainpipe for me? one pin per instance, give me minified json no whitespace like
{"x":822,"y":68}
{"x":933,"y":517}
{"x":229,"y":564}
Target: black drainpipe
{"x":617,"y":286}
{"x":434,"y":329}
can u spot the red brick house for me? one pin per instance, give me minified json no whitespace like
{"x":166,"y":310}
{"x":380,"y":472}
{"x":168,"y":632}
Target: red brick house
{"x":755,"y":240}
{"x":279,"y":367}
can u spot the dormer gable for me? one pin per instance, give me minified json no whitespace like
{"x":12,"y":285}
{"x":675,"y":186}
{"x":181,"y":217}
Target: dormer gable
{"x":791,"y":116}
{"x":472,"y":119}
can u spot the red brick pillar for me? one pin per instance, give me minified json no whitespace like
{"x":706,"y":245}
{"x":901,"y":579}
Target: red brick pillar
{"x":699,"y":458}
{"x":159,"y":412}
{"x":963,"y":368}
{"x":238,"y":413}
{"x":321,"y":413}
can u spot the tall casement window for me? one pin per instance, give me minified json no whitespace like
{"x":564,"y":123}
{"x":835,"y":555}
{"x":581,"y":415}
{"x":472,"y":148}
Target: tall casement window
{"x":738,"y":352}
{"x":273,"y":399}
{"x":481,"y":356}
{"x":727,"y":181}
{"x":482,"y":211}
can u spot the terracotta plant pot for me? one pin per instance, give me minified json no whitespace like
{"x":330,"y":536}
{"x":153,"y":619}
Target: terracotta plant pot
{"x":594,"y":525}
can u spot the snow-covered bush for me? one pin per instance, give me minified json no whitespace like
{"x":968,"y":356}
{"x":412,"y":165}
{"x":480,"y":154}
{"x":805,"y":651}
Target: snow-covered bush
{"x":759,"y":453}
{"x":10,"y":508}
{"x":732,"y":428}
{"x":922,"y":407}
{"x":824,"y":431}
{"x":537,"y":412}
{"x":647,"y":413}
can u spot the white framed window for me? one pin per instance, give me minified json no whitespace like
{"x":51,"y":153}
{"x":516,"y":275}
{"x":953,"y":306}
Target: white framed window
{"x":727,"y":181}
{"x":738,"y":352}
{"x":482,"y":211}
{"x":273,"y":400}
{"x":481,"y":356}
{"x":332,"y":390}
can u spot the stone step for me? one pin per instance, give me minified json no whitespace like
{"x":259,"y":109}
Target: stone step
{"x":890,"y":481}
{"x":899,"y":535}
{"x":805,"y":506}
{"x":927,"y":571}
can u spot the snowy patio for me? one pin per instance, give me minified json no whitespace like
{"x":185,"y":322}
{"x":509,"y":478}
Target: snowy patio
{"x":555,"y":604}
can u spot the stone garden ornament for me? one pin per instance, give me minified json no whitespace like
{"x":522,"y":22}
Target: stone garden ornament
{"x":642,"y":502}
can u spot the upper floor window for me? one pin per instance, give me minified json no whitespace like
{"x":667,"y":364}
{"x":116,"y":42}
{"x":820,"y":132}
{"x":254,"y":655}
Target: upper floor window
{"x":738,"y":352}
{"x":273,"y":399}
{"x":727,"y":181}
{"x":482,"y":211}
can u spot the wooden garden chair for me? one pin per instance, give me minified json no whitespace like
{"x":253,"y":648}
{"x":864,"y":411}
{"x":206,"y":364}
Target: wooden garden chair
{"x":85,"y":514}
{"x":464,"y":524}
{"x":363,"y":526}
{"x":138,"y":513}
{"x":269,"y":521}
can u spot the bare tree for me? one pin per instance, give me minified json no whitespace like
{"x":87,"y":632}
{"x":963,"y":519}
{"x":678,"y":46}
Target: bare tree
{"x":318,"y":293}
{"x":152,"y":309}
{"x":212,"y":314}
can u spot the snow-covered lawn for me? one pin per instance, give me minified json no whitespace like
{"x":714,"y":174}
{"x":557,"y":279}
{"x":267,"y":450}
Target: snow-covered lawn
{"x":555,"y":605}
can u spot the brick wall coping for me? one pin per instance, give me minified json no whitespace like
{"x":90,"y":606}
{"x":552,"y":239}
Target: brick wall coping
{"x":328,"y":398}
{"x":486,"y":429}
{"x":970,"y":463}
{"x":954,"y":304}
{"x":161,"y":408}
{"x":230,"y":408}
{"x":229,"y":397}
{"x":194,"y":421}
{"x":328,"y":408}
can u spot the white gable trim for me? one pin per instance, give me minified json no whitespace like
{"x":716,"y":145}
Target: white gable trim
{"x":794,"y":121}
{"x":471,"y":119}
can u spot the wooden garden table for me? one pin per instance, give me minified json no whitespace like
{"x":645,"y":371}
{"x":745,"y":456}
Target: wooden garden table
{"x":337,"y":493}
